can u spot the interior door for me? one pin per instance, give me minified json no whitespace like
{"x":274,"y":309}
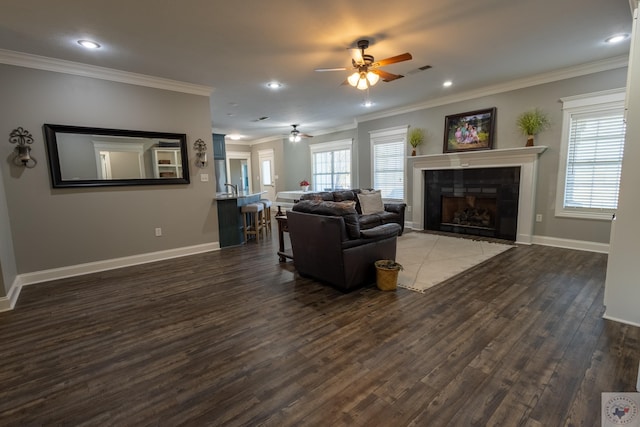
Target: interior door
{"x":267,"y":174}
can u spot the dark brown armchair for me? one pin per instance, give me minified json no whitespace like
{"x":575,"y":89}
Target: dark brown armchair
{"x":328,"y":245}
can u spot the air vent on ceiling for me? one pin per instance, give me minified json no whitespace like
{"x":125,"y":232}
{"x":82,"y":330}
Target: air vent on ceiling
{"x":417,"y":70}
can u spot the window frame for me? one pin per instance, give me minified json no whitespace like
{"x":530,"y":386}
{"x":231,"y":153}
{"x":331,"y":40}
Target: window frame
{"x":387,"y":136}
{"x":597,"y":102}
{"x":331,"y":146}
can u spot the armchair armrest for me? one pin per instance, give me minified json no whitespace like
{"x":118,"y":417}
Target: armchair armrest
{"x":381,"y":231}
{"x":395,"y":207}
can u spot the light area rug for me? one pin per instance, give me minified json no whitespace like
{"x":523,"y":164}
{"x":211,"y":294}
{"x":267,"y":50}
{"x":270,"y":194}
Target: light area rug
{"x":430,"y":259}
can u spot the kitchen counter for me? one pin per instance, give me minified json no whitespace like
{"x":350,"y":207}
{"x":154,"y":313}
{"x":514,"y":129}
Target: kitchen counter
{"x":230,"y":218}
{"x":241,"y":195}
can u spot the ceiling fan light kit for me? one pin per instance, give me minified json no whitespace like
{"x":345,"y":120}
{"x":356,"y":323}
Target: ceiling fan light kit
{"x":366,"y":72}
{"x":296,"y":136}
{"x":363,"y":79}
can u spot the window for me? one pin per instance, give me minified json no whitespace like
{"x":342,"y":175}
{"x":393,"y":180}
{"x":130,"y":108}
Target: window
{"x":387,"y":164}
{"x":593,"y":132}
{"x":331,"y":165}
{"x":266,"y":172}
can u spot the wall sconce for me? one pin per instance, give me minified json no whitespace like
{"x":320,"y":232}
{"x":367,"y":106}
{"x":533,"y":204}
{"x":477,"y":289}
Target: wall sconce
{"x":22,"y":156}
{"x":201,"y":153}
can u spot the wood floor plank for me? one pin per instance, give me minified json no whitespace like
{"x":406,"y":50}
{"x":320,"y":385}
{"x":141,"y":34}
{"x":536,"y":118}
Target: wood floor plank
{"x":235,"y":338}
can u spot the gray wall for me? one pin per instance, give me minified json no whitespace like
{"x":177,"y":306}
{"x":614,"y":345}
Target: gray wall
{"x":297,"y":157}
{"x":7,"y":255}
{"x":622,"y":292}
{"x":62,"y":227}
{"x":509,"y":105}
{"x":282,"y":167}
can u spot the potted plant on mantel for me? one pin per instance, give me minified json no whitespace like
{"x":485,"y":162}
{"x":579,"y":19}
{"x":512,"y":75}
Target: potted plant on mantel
{"x":531,"y":123}
{"x":304,"y":185}
{"x":416,"y":138}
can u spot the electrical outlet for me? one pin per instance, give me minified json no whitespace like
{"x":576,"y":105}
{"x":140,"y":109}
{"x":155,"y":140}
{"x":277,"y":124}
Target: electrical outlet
{"x":204,"y":177}
{"x":158,"y":232}
{"x":538,"y":217}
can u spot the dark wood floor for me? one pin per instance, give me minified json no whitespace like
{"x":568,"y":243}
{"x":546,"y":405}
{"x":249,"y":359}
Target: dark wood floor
{"x":235,"y":338}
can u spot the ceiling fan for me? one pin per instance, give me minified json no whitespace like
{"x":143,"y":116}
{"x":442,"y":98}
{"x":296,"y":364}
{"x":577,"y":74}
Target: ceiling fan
{"x":367,"y":72}
{"x":296,"y":135}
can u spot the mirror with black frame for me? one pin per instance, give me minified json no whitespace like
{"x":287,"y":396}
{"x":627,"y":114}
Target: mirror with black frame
{"x":96,"y":157}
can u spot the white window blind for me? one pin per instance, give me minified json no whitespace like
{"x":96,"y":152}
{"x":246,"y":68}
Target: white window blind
{"x":388,"y":148}
{"x":388,"y":169}
{"x":331,"y":166}
{"x":594,"y":160}
{"x":593,"y":135}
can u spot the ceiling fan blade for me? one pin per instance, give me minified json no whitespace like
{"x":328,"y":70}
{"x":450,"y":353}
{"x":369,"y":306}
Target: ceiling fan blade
{"x":331,"y":69}
{"x":305,"y":135}
{"x":398,"y":58}
{"x":387,"y":77}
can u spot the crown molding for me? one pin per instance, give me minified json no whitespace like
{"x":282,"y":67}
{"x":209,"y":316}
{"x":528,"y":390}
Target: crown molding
{"x":266,"y":139}
{"x":26,"y":60}
{"x":553,"y":76}
{"x":348,"y":126}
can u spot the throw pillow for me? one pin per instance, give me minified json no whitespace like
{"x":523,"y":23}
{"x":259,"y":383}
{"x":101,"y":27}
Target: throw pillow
{"x":371,"y":202}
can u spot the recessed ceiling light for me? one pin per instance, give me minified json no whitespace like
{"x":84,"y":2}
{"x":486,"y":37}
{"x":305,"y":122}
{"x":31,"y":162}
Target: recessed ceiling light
{"x":89,"y":44}
{"x":234,"y":136}
{"x":274,"y":85}
{"x":448,"y":83}
{"x":617,"y":38}
{"x":368,"y":104}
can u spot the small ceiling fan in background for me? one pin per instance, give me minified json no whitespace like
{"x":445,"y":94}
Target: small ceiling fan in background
{"x":296,"y":135}
{"x":367,"y":72}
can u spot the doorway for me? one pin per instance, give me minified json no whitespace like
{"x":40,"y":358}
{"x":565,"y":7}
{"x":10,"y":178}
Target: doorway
{"x":239,"y":170}
{"x":267,"y":174}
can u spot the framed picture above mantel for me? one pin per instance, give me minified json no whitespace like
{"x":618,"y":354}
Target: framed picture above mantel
{"x":469,"y":131}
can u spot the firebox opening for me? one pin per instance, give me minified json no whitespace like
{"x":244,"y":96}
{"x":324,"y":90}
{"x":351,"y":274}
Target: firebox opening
{"x":469,"y":211}
{"x":474,"y":201}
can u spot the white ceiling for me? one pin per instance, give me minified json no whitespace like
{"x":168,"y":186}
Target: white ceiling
{"x":237,"y":47}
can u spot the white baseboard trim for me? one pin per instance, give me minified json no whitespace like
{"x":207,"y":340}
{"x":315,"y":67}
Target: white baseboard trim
{"x":9,"y":302}
{"x":581,"y":245}
{"x":616,"y":319}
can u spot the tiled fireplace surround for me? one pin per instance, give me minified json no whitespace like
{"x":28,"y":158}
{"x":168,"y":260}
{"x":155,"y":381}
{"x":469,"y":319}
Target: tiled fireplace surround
{"x":525,"y":157}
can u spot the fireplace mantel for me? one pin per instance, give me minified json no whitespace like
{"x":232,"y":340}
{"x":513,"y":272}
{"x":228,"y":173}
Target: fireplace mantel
{"x":525,"y":157}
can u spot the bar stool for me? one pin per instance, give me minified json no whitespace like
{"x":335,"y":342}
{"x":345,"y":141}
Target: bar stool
{"x":252,"y":220}
{"x":266,"y":215}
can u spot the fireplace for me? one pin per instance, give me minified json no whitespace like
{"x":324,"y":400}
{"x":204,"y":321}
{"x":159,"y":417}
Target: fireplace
{"x":479,"y":201}
{"x":525,"y":158}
